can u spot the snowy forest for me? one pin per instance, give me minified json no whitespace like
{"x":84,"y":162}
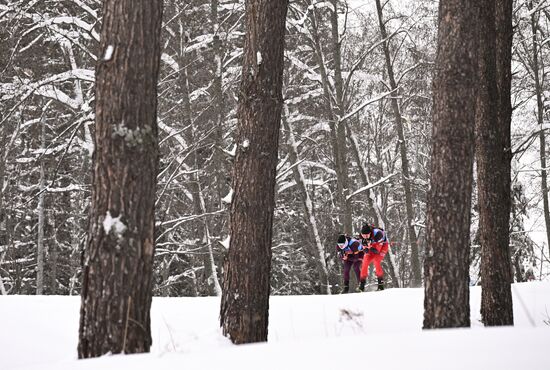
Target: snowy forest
{"x":354,"y":143}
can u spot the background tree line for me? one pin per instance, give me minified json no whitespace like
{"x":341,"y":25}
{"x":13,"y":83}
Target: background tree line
{"x":355,"y":140}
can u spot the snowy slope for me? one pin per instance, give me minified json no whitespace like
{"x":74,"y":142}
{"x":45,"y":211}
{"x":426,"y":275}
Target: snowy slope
{"x":321,"y":332}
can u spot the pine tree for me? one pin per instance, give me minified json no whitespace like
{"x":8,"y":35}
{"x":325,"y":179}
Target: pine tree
{"x":245,"y":298}
{"x":494,"y":155}
{"x":446,"y":301}
{"x":118,"y":260}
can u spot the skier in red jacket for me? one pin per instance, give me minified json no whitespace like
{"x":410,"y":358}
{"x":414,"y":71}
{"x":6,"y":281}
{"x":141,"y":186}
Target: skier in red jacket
{"x":375,"y":242}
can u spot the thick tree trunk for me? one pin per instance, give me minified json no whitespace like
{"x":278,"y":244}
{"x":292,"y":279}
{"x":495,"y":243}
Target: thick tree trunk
{"x":118,"y":260}
{"x":446,"y":300}
{"x":245,"y":298}
{"x":416,"y":271}
{"x":493,"y":154}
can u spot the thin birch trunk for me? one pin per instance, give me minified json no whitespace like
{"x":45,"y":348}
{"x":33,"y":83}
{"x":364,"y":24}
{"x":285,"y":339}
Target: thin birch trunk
{"x":41,"y":214}
{"x":416,"y":272}
{"x":220,"y":160}
{"x":198,"y":226}
{"x":374,"y":209}
{"x":53,"y":259}
{"x":3,"y":218}
{"x":2,"y":287}
{"x":337,"y":131}
{"x":539,"y":89}
{"x":342,"y":159}
{"x":318,"y":251}
{"x":213,"y":272}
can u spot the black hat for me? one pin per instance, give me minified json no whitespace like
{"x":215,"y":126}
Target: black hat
{"x":366,"y":229}
{"x":341,"y":239}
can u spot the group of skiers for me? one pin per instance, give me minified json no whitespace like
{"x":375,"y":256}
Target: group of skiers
{"x":359,"y":252}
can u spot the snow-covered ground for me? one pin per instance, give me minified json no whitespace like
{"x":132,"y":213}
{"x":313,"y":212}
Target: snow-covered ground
{"x":375,"y":330}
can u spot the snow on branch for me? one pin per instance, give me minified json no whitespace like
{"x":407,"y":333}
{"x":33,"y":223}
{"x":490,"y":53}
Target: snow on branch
{"x":177,"y":222}
{"x":171,"y":62}
{"x":530,"y":137}
{"x":370,"y":186}
{"x":364,"y":104}
{"x":24,"y":86}
{"x":48,"y":189}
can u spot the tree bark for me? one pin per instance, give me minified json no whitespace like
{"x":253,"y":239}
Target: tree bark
{"x":245,"y":298}
{"x":446,"y":300}
{"x":118,"y":260}
{"x":493,"y":154}
{"x":416,"y":271}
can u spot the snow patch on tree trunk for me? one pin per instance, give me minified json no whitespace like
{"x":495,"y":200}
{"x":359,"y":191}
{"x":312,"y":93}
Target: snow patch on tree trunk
{"x":108,"y":53}
{"x":114,"y":224}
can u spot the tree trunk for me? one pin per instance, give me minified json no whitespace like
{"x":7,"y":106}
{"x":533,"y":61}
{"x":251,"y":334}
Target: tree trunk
{"x":341,"y":145}
{"x":53,"y":254}
{"x":493,"y":154}
{"x":220,"y":159}
{"x":3,"y":160}
{"x":40,"y":249}
{"x":317,"y":252}
{"x":446,"y":300}
{"x":338,"y":143}
{"x":245,"y":298}
{"x":2,"y":287}
{"x":196,"y":162}
{"x":416,"y":271}
{"x":118,"y":260}
{"x":198,"y":225}
{"x":539,"y":91}
{"x":373,"y":208}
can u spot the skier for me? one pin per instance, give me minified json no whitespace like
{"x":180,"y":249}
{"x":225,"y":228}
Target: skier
{"x":376,"y":245}
{"x":351,"y":253}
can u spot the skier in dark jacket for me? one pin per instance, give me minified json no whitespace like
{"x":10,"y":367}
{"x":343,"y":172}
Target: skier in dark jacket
{"x":376,"y":245}
{"x":351,"y":253}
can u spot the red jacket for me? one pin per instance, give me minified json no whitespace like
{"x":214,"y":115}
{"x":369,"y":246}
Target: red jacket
{"x":379,"y":241}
